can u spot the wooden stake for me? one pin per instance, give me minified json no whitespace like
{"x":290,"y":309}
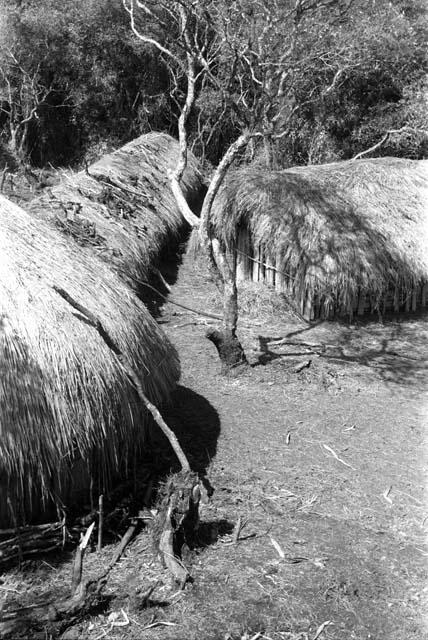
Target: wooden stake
{"x":361,"y":303}
{"x":396,"y":299}
{"x":270,"y":271}
{"x":256,"y":264}
{"x":100,"y":522}
{"x":237,"y":530}
{"x":243,"y":251}
{"x":424,"y":295}
{"x":78,"y":559}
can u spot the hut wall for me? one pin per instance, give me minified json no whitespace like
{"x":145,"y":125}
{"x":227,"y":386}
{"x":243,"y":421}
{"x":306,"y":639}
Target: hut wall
{"x":254,"y":264}
{"x":243,"y":255}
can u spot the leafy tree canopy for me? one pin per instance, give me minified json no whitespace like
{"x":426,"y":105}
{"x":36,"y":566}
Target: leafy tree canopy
{"x":323,"y":80}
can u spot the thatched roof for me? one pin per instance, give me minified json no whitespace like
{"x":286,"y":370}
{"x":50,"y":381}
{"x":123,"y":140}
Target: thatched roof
{"x":123,"y":206}
{"x":62,"y":392}
{"x":334,"y":229}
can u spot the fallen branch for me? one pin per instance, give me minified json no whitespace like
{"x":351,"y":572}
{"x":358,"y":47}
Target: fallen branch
{"x":237,"y":530}
{"x":314,"y":346}
{"x":303,"y":365}
{"x":334,"y":454}
{"x":180,"y":514}
{"x":321,"y":629}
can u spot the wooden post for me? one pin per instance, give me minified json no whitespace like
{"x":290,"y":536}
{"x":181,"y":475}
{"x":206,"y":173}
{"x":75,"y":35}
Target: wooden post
{"x":414,"y":299}
{"x":424,"y":295}
{"x":408,"y":300}
{"x":279,"y":276}
{"x":309,"y":306}
{"x":270,"y":271}
{"x":396,"y":299}
{"x":383,"y":305}
{"x":262,"y":268}
{"x":100,"y":522}
{"x":243,"y":251}
{"x":256,"y":264}
{"x":361,"y":303}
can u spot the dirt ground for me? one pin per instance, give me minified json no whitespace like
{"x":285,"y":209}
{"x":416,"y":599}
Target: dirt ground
{"x":326,"y":467}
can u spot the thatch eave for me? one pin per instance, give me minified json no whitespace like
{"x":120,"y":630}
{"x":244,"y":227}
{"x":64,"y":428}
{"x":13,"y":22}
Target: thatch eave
{"x":63,"y":394}
{"x":122,"y":206}
{"x":334,"y":229}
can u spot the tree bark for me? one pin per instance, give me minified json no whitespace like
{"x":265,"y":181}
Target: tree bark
{"x":229,"y":348}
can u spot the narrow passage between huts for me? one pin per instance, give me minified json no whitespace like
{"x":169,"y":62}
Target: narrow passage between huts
{"x":318,"y":471}
{"x":314,"y":459}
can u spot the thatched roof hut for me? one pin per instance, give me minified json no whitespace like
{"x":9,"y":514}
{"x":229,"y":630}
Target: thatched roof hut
{"x":338,"y":238}
{"x":123,"y":206}
{"x":63,"y":395}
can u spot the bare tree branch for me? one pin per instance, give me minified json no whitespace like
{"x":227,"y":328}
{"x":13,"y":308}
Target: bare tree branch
{"x":386,"y":137}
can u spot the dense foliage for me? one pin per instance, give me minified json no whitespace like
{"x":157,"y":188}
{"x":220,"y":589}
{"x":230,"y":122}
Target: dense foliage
{"x":74,"y":80}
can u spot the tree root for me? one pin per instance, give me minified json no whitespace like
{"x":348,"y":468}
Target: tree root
{"x":176,"y":526}
{"x":229,"y":349}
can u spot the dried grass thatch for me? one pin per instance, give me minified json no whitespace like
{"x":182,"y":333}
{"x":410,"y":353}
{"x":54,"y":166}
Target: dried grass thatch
{"x":63,"y":395}
{"x":123,"y":206}
{"x":334,"y":230}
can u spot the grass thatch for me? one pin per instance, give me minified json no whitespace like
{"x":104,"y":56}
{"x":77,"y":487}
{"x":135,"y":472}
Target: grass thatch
{"x":63,"y":395}
{"x":123,"y":205}
{"x":334,"y":230}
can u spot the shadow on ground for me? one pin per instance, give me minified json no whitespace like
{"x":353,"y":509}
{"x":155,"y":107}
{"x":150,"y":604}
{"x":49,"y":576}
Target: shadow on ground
{"x":164,"y":274}
{"x":197,"y":426}
{"x":386,"y":349}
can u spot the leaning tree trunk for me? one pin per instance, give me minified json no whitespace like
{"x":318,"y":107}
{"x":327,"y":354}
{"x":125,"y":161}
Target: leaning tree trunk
{"x":225,"y":340}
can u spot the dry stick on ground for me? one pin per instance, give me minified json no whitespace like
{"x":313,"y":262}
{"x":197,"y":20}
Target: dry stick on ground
{"x":85,"y":594}
{"x":301,"y":366}
{"x":186,"y":482}
{"x":237,"y":530}
{"x":76,"y":578}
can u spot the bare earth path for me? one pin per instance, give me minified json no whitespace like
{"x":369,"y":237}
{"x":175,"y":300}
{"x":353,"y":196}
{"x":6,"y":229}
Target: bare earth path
{"x":327,"y":468}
